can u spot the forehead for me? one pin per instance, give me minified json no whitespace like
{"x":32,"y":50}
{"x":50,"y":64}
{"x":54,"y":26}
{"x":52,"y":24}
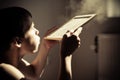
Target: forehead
{"x":32,"y":25}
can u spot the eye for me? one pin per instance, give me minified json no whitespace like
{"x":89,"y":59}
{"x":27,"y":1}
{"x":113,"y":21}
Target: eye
{"x":36,"y":30}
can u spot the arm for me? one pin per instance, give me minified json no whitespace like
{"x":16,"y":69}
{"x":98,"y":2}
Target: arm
{"x":39,"y":62}
{"x":65,"y":68}
{"x":34,"y":70}
{"x":70,"y":43}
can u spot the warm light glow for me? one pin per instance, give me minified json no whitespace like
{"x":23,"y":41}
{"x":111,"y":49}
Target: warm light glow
{"x":113,"y":8}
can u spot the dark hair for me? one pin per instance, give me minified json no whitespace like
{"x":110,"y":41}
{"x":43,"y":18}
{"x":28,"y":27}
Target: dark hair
{"x":14,"y":22}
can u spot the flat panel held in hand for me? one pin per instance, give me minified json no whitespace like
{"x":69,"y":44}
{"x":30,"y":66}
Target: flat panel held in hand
{"x":73,"y":24}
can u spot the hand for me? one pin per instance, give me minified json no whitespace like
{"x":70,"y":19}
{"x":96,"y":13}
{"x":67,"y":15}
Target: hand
{"x":70,"y":43}
{"x":49,"y":43}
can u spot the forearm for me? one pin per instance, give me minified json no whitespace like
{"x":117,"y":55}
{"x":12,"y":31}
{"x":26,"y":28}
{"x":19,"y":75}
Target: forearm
{"x":70,"y":42}
{"x":40,"y":61}
{"x":65,"y":68}
{"x":68,"y":60}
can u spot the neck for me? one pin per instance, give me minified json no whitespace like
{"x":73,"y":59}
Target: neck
{"x":10,"y":57}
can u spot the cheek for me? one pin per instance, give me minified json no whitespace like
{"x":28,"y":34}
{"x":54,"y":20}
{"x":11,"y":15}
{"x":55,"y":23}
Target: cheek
{"x":32,"y":41}
{"x":35,"y":41}
{"x":27,"y":45}
{"x":33,"y":38}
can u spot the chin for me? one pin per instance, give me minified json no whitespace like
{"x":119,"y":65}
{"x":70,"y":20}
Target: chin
{"x":36,"y":46}
{"x":34,"y":51}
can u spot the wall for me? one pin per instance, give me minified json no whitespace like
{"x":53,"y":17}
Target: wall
{"x":85,"y":59}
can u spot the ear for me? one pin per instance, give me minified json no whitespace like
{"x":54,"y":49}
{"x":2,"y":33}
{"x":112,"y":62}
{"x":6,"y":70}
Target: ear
{"x":18,"y":41}
{"x":18,"y":45}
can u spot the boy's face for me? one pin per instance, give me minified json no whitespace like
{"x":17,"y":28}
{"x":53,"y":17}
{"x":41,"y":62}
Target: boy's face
{"x":32,"y":39}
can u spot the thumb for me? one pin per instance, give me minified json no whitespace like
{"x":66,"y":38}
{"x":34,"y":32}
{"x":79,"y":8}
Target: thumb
{"x":78,"y":31}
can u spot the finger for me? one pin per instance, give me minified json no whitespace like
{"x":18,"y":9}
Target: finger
{"x":78,"y":39}
{"x":78,"y":31}
{"x":69,"y":33}
{"x":79,"y":43}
